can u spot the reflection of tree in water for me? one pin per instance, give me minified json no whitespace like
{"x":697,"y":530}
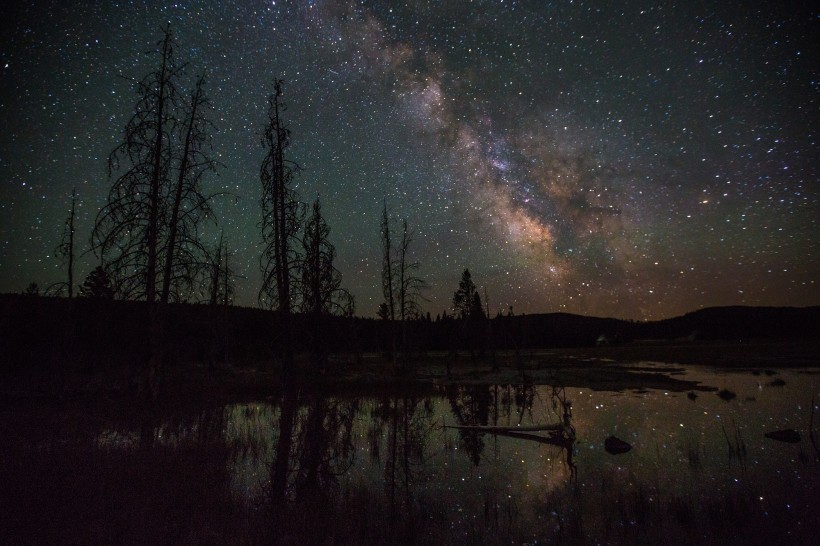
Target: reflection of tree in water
{"x":523,"y":395}
{"x":404,"y":425}
{"x":326,"y":444}
{"x":470,"y":405}
{"x":314,"y":447}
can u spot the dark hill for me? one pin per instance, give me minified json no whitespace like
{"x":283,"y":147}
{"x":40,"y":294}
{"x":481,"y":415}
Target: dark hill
{"x":734,"y":323}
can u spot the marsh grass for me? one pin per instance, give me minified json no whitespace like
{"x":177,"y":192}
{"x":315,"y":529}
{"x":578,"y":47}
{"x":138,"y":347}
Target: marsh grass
{"x":735,"y":443}
{"x":693,"y":454}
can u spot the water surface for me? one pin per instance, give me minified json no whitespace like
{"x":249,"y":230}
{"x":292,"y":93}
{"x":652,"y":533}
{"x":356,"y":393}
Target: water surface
{"x":308,"y":468}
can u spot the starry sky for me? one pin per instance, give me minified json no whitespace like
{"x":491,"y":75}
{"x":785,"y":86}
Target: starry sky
{"x":630,"y":159}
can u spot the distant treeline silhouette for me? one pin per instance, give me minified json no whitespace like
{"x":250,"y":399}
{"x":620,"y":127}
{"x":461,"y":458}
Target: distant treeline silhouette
{"x":88,"y":333}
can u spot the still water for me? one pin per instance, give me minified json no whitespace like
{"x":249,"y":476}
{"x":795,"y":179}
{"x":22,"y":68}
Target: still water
{"x":307,"y":468}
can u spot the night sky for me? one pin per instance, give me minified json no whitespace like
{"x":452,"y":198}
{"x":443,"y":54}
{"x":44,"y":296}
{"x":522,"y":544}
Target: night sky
{"x":628,"y":159}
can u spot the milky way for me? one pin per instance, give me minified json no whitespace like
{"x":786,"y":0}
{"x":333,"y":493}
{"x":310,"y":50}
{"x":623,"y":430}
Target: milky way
{"x":626,"y":159}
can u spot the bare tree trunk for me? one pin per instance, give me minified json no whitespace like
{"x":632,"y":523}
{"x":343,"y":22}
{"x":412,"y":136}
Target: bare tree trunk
{"x":281,"y":463}
{"x":184,"y":166}
{"x":71,"y":244}
{"x":156,"y":179}
{"x":216,"y":271}
{"x":387,"y":281}
{"x":403,"y":287}
{"x":155,"y":327}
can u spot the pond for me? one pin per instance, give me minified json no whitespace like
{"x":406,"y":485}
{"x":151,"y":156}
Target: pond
{"x":459,"y":463}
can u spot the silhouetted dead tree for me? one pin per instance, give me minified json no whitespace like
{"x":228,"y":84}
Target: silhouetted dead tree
{"x":282,"y":213}
{"x":401,"y":286}
{"x":220,"y":293}
{"x":320,"y":291}
{"x":185,"y":255}
{"x":388,"y":281}
{"x":387,"y":310}
{"x":148,"y":233}
{"x":221,"y":276}
{"x":410,"y":285}
{"x":65,"y":251}
{"x":282,"y":216}
{"x":128,"y":229}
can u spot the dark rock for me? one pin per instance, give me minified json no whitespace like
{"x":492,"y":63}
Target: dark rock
{"x":616,"y":446}
{"x":692,"y":396}
{"x":788,"y":435}
{"x":777,"y":383}
{"x":727,"y":395}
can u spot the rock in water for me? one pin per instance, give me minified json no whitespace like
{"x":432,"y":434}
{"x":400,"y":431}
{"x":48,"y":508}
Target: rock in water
{"x":616,"y":446}
{"x":787,"y":435}
{"x":727,"y":395}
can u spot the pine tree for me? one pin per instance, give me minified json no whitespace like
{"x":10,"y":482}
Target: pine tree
{"x":463,"y":298}
{"x":97,"y":285}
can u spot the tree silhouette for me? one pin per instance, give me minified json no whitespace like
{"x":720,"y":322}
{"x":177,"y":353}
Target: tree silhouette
{"x":282,"y":216}
{"x":410,"y":285}
{"x":401,"y":286}
{"x":463,"y":298}
{"x":65,"y":250}
{"x":185,"y":253}
{"x":388,"y":278}
{"x":383,"y":312}
{"x":221,"y":276}
{"x":127,"y":229}
{"x":282,"y":213}
{"x":320,"y":286}
{"x":147,"y":234}
{"x":467,"y":306}
{"x":387,"y":309}
{"x":97,"y":285}
{"x":476,"y":307}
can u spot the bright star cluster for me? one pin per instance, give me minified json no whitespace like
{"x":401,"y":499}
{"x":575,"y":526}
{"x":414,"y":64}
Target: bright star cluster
{"x":629,"y":159}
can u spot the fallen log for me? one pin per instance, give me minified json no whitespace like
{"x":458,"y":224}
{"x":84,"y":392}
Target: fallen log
{"x":788,"y":435}
{"x":497,"y":429}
